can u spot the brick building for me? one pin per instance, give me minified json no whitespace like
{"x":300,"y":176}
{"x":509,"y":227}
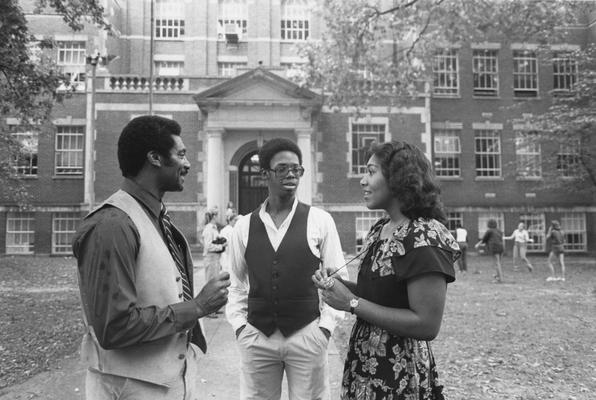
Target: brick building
{"x":221,"y":69}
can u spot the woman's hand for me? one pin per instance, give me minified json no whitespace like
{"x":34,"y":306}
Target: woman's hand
{"x":337,"y":295}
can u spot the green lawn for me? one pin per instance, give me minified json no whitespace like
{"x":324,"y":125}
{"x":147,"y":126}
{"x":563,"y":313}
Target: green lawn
{"x":523,"y":339}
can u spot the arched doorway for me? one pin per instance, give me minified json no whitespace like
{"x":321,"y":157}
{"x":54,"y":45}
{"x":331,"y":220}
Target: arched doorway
{"x":252,"y":188}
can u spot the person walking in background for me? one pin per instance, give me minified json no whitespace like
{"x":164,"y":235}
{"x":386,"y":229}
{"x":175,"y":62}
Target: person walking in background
{"x":213,"y":246}
{"x":226,"y":233}
{"x":136,"y":280}
{"x":461,"y":236}
{"x":521,"y":238}
{"x":400,"y":293}
{"x":493,"y":242}
{"x":274,"y":309}
{"x":556,"y":239}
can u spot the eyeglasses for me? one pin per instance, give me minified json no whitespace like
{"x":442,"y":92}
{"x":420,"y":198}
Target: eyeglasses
{"x":282,"y":170}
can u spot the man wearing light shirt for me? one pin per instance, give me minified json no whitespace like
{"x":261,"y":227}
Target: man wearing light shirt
{"x":280,"y":323}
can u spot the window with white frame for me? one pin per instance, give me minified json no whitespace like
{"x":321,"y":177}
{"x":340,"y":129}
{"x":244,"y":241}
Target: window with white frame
{"x":568,"y":158}
{"x":229,"y":69}
{"x":447,"y":152}
{"x":71,"y":59}
{"x":24,"y":161}
{"x":232,"y":12}
{"x":295,"y":22}
{"x":564,"y":71}
{"x":528,"y":157}
{"x":573,"y":225}
{"x":362,"y":136}
{"x":64,"y":226}
{"x":364,"y":221}
{"x":535,"y":226}
{"x":445,"y":73}
{"x":169,"y":68}
{"x":169,"y":19}
{"x":68,"y":156}
{"x":488,"y":152}
{"x":485,"y":73}
{"x":483,"y":219}
{"x":454,"y":219}
{"x":20,"y":233}
{"x":525,"y":73}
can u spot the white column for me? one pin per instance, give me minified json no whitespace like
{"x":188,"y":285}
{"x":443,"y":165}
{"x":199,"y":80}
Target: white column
{"x":215,"y":173}
{"x":303,"y":137}
{"x":89,"y":171}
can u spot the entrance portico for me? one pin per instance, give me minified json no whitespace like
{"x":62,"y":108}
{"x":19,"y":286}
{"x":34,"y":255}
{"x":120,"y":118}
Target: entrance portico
{"x":238,"y":116}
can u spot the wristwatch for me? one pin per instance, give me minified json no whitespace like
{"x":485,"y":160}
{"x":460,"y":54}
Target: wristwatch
{"x":353,"y":304}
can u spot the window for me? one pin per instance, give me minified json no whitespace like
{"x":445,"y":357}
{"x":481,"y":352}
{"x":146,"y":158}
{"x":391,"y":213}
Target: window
{"x":536,"y":230}
{"x":454,"y":218}
{"x":20,"y":233}
{"x":169,"y":19}
{"x":447,"y":152}
{"x":525,"y":73}
{"x":72,"y":60}
{"x":294,"y":20}
{"x":364,"y":222}
{"x":64,"y":225}
{"x":488,"y":152}
{"x":485,"y":73}
{"x":445,"y":72}
{"x":24,"y":162}
{"x":228,"y":68}
{"x":363,"y":135}
{"x":568,"y":159}
{"x":564,"y":71}
{"x":70,"y":140}
{"x":483,"y":222}
{"x":232,"y":12}
{"x":573,"y":225}
{"x":527,"y":155}
{"x":169,"y":68}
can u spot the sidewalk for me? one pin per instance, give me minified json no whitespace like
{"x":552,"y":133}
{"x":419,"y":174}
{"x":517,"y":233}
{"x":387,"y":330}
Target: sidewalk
{"x":219,"y":369}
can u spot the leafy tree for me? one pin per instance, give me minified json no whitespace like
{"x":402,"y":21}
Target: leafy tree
{"x":28,"y":82}
{"x":369,"y":52}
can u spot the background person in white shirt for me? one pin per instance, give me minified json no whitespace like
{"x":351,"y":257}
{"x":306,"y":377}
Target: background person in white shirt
{"x":521,"y":238}
{"x":461,"y":236}
{"x":226,"y":233}
{"x":281,"y":324}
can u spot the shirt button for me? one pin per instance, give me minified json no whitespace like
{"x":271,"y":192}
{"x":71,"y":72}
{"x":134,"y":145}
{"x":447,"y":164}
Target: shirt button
{"x":275,"y":262}
{"x":275,"y":301}
{"x":274,"y":287}
{"x":181,"y":356}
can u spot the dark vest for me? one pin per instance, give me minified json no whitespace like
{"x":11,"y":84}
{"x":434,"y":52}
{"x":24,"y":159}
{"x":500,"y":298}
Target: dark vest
{"x":282,"y":294}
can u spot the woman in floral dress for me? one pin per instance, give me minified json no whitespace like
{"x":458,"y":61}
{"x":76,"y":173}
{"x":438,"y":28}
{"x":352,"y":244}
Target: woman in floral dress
{"x":402,"y":281}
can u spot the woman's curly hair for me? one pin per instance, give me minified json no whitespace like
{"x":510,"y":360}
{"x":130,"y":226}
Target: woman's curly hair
{"x":410,"y":177}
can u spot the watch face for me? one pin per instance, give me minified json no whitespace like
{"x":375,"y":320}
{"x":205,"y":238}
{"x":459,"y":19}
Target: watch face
{"x":354,"y":303}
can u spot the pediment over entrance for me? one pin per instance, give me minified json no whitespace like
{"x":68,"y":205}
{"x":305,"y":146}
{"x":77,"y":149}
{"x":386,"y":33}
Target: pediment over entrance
{"x":257,"y":87}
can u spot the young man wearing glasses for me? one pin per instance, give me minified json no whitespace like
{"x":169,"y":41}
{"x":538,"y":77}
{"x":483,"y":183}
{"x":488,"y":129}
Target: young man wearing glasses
{"x":280,"y":324}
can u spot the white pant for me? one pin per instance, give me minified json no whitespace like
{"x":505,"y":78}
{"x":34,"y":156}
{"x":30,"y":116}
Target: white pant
{"x":303,"y":356}
{"x":99,"y":386}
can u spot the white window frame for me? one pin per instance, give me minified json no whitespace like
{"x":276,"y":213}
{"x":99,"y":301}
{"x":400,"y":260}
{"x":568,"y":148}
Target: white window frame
{"x":485,"y":67}
{"x":69,"y":150}
{"x":25,"y":163}
{"x":232,"y":12}
{"x":447,"y":147}
{"x":565,"y":71}
{"x":363,"y":222}
{"x":20,"y":233}
{"x":483,"y":218}
{"x":487,"y":156}
{"x":573,"y":225}
{"x":368,"y":132}
{"x":64,"y":226}
{"x":229,"y":69}
{"x":168,"y":67}
{"x":169,"y":19}
{"x":71,"y":53}
{"x":453,"y":219}
{"x":446,"y":73}
{"x":525,"y":73}
{"x":568,"y":159}
{"x":535,"y":225}
{"x":528,"y":155}
{"x":295,"y":20}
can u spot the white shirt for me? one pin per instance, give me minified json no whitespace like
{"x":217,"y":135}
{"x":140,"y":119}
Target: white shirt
{"x":323,"y":241}
{"x":226,"y":257}
{"x":461,"y":235}
{"x":520,"y":236}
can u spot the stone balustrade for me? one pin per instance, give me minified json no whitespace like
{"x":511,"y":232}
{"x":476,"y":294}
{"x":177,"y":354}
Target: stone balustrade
{"x":128,"y":83}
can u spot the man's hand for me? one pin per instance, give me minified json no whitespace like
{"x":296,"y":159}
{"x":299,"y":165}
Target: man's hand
{"x":214,"y":294}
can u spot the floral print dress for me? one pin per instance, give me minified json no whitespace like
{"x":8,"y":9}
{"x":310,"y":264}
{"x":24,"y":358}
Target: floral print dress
{"x":379,"y":364}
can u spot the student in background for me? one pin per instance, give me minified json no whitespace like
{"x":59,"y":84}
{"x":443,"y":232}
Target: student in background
{"x":556,"y":238}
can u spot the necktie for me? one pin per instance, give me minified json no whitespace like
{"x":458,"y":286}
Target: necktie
{"x":166,"y":226}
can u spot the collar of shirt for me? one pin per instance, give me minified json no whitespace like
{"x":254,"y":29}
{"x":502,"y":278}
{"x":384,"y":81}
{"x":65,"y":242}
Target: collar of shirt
{"x":148,"y":200}
{"x":276,"y":234}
